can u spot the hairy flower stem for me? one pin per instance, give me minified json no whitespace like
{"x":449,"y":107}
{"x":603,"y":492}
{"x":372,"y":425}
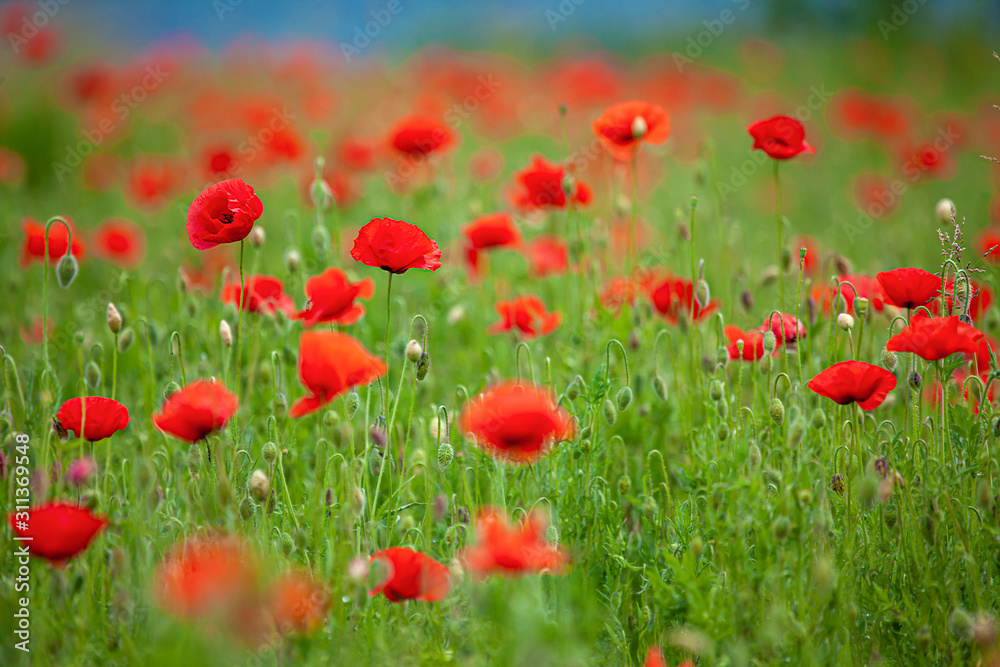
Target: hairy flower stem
{"x":780,"y":231}
{"x":239,"y":323}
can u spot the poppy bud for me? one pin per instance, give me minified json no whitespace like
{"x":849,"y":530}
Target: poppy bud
{"x":639,"y":127}
{"x":194,"y":460}
{"x":764,"y":364}
{"x":358,"y":501}
{"x":683,"y":231}
{"x":624,"y":484}
{"x":351,"y":404}
{"x":786,"y":260}
{"x":624,"y":398}
{"x":423,"y":366}
{"x":722,"y":433}
{"x":770,"y":341}
{"x":610,"y":414}
{"x":568,"y":184}
{"x":797,"y":430}
{"x":573,"y":390}
{"x":837,"y":484}
{"x":92,"y":374}
{"x":660,"y":388}
{"x":780,"y":528}
{"x":754,"y":456}
{"x":889,"y":360}
{"x":649,"y":508}
{"x":287,"y":544}
{"x":413,"y":351}
{"x":66,"y":270}
{"x":841,"y":264}
{"x":375,"y":461}
{"x":746,"y":300}
{"x":768,"y":275}
{"x":330,"y":419}
{"x":247,"y":509}
{"x":280,"y":405}
{"x":984,"y":630}
{"x":845,"y":321}
{"x":944,"y":210}
{"x":702,"y":295}
{"x":777,"y":411}
{"x":259,"y":485}
{"x":293,"y":260}
{"x":256,"y":237}
{"x":320,"y":240}
{"x":320,"y":192}
{"x":225,"y":333}
{"x":125,"y":340}
{"x":881,"y":466}
{"x":722,"y":407}
{"x":868,"y":490}
{"x":445,"y":455}
{"x":270,"y":453}
{"x":715,"y":390}
{"x":378,"y":436}
{"x":171,"y":389}
{"x":914,"y":380}
{"x":961,"y":623}
{"x":114,"y":318}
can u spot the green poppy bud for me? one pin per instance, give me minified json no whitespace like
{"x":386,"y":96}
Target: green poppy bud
{"x":66,"y":270}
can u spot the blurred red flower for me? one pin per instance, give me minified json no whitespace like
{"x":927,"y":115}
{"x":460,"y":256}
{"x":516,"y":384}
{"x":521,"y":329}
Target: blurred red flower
{"x":493,"y":230}
{"x":516,"y":422}
{"x":988,"y":243}
{"x":540,"y":186}
{"x":753,"y":343}
{"x":933,"y":338}
{"x":395,"y":246}
{"x":909,"y":287}
{"x":412,"y":576}
{"x":58,"y":530}
{"x":121,"y":242}
{"x":854,"y":382}
{"x":330,"y":364}
{"x":623,"y":126}
{"x":527,"y":315}
{"x":104,"y":417}
{"x":332,"y":299}
{"x":32,"y":40}
{"x":223,"y":213}
{"x":419,"y":136}
{"x":511,"y":550}
{"x":547,"y":256}
{"x":197,"y":410}
{"x":33,"y":248}
{"x":264,"y":294}
{"x":781,"y":137}
{"x":297,"y":603}
{"x":152,"y":181}
{"x":982,"y":299}
{"x":786,"y":327}
{"x":205,"y":576}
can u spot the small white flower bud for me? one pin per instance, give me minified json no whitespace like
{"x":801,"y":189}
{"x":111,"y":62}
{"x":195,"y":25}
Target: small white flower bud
{"x":944,"y":210}
{"x":114,"y":318}
{"x":639,"y":127}
{"x":225,"y":333}
{"x":413,"y":351}
{"x":845,"y":321}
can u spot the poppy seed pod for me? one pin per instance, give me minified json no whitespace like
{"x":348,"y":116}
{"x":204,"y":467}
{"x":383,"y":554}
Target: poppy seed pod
{"x":777,"y":411}
{"x":770,"y":341}
{"x":660,"y":388}
{"x":259,"y":485}
{"x":66,"y":270}
{"x":639,"y":127}
{"x":624,"y":398}
{"x":414,"y":351}
{"x":889,"y":360}
{"x":845,"y":321}
{"x":114,"y":318}
{"x":225,"y":333}
{"x":860,"y":305}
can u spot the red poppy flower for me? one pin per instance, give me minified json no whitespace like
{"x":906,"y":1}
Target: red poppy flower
{"x":152,"y":181}
{"x":988,"y":242}
{"x":859,"y":286}
{"x":332,"y":299}
{"x":264,"y":294}
{"x":356,"y":154}
{"x":200,"y":408}
{"x":297,"y":603}
{"x":58,"y":530}
{"x":395,"y":246}
{"x":527,"y":315}
{"x":494,"y":230}
{"x":511,"y":550}
{"x":516,"y":422}
{"x":786,"y":327}
{"x":982,"y":363}
{"x":547,"y":256}
{"x":621,"y":290}
{"x":204,"y":576}
{"x":412,"y":576}
{"x":753,"y":343}
{"x":982,"y":299}
{"x":32,"y":39}
{"x":675,"y":297}
{"x":909,"y":287}
{"x":223,"y":213}
{"x":624,"y":125}
{"x":219,"y":161}
{"x":419,"y":136}
{"x":874,"y":195}
{"x":104,"y":417}
{"x":486,"y":163}
{"x":654,"y":657}
{"x":781,"y":137}
{"x":933,"y":338}
{"x":121,"y":242}
{"x":540,"y":186}
{"x":330,"y":363}
{"x":925,"y":159}
{"x":33,"y":249}
{"x":854,"y":382}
